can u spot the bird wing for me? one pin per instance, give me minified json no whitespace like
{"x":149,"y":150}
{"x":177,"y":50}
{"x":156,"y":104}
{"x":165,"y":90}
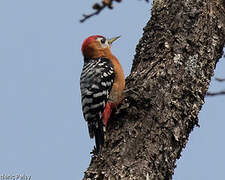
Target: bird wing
{"x":95,"y":83}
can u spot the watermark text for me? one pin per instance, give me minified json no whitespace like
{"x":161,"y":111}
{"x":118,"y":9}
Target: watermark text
{"x":14,"y":177}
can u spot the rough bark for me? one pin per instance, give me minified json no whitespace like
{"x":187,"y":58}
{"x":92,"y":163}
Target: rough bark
{"x":171,"y":72}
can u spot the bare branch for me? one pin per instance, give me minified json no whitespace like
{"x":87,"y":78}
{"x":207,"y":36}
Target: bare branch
{"x":99,"y":7}
{"x":220,"y":79}
{"x":98,"y":10}
{"x":215,"y":93}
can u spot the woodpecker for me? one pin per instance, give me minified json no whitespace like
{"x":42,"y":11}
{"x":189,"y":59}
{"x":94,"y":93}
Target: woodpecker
{"x":101,"y":83}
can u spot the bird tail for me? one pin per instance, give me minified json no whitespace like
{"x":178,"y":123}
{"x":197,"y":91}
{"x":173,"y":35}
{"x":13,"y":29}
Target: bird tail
{"x":99,"y":136}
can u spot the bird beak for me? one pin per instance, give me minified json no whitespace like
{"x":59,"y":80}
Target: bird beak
{"x":110,"y":41}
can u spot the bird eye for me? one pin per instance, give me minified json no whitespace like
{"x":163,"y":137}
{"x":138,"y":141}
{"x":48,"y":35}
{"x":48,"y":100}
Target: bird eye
{"x":103,"y":40}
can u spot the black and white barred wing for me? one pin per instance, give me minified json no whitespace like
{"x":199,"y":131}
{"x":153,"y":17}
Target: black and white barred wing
{"x":95,"y":83}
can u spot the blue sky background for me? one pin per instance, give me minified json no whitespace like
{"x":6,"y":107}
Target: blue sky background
{"x":42,"y":131}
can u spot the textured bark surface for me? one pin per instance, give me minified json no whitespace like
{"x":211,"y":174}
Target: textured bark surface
{"x":171,"y":72}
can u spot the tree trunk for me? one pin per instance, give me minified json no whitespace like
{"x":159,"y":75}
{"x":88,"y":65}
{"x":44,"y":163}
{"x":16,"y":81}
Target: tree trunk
{"x":171,"y":72}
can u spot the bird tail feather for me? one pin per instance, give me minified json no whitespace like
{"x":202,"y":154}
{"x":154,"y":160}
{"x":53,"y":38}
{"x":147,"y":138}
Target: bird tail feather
{"x":99,"y":136}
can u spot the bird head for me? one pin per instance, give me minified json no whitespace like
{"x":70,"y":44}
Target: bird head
{"x":97,"y":46}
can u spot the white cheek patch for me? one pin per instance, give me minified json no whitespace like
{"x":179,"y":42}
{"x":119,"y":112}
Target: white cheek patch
{"x":105,"y":45}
